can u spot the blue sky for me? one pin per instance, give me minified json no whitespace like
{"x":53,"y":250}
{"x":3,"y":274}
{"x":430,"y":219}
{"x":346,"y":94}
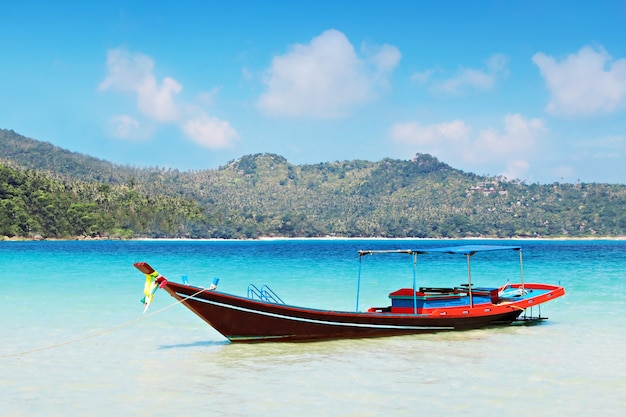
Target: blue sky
{"x":533,"y":90}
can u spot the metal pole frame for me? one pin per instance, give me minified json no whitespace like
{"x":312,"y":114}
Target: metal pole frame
{"x":414,"y":283}
{"x":521,"y":267}
{"x":469,"y":280}
{"x":358,"y":284}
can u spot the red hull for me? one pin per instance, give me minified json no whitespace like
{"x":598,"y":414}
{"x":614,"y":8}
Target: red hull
{"x":242,"y":319}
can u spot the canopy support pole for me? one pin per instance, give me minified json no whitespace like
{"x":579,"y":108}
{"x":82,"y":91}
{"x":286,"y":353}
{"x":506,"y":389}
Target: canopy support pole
{"x":414,"y":283}
{"x":521,"y":267}
{"x":469,"y":280}
{"x":358,"y":283}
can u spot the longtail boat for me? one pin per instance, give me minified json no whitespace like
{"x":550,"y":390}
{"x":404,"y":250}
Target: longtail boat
{"x":263,"y":316}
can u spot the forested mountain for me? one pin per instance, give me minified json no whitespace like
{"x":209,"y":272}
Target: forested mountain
{"x":52,"y":192}
{"x":32,"y":204}
{"x":57,"y":162}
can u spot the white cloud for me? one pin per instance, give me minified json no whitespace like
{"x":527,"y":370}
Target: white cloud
{"x":412,"y":133}
{"x":422,"y":77}
{"x":584,"y":83}
{"x":125,"y":127}
{"x":126,"y":71}
{"x":516,"y":169}
{"x":465,"y":80}
{"x":210,"y":132}
{"x":324,"y":78}
{"x":207,"y":98}
{"x":384,"y":59}
{"x":133,"y":73}
{"x":519,"y":136}
{"x":158,"y":102}
{"x":506,"y":150}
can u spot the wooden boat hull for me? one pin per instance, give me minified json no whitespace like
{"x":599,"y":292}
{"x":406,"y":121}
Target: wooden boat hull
{"x":246,"y":320}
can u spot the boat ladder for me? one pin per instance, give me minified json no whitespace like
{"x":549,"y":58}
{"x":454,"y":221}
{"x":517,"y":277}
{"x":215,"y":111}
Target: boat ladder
{"x":264,"y":294}
{"x":528,"y":317}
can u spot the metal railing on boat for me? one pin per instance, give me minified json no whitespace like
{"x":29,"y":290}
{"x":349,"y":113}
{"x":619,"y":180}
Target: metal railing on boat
{"x":265,"y":293}
{"x":527,"y":316}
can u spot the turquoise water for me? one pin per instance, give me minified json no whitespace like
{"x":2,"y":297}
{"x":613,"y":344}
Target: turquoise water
{"x":73,"y":310}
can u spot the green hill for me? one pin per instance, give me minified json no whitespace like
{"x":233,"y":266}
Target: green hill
{"x":264,"y":195}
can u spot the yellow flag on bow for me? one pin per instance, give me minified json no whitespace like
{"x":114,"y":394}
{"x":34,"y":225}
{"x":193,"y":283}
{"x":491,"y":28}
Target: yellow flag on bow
{"x":149,"y":289}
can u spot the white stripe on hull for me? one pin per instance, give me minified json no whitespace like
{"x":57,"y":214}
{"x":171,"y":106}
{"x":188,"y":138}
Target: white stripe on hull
{"x":315,"y":321}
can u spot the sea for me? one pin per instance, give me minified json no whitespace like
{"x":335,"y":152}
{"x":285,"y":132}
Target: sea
{"x":74,"y":339}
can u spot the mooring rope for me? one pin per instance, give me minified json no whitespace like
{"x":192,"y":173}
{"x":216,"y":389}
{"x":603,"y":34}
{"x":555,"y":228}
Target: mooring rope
{"x":102,"y":332}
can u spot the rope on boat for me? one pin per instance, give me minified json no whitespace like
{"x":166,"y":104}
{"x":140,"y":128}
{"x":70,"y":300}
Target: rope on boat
{"x":102,"y":332}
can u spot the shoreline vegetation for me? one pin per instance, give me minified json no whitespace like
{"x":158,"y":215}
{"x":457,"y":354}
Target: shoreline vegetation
{"x":50,"y":193}
{"x":287,"y":238}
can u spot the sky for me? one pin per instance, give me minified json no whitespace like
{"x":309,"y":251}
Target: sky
{"x":528,"y":90}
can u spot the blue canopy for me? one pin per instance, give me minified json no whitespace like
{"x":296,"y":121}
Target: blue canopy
{"x":461,"y":250}
{"x":467,"y":250}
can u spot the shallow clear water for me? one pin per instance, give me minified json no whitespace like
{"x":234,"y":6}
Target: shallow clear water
{"x":56,"y":295}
